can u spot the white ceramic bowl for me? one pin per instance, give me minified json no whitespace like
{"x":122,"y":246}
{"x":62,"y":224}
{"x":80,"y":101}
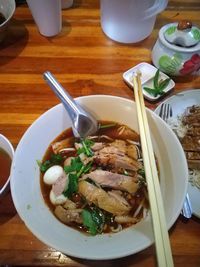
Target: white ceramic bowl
{"x":7,"y":9}
{"x":28,"y":200}
{"x":6,"y":145}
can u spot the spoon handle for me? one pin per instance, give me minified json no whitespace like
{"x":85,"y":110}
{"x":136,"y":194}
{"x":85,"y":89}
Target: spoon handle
{"x":187,"y":208}
{"x":83,"y":123}
{"x":68,"y":102}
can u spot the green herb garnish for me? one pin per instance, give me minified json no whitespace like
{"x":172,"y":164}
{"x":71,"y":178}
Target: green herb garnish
{"x":86,"y":143}
{"x":85,"y":168}
{"x":55,"y":159}
{"x":74,"y":171}
{"x":159,"y":85}
{"x":72,"y":186}
{"x":94,"y":220}
{"x":75,"y":166}
{"x":107,"y":125}
{"x":142,"y":178}
{"x":142,"y":172}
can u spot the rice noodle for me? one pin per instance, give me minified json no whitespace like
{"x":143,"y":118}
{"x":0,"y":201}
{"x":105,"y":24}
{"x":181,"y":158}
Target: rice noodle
{"x":93,"y":137}
{"x":106,"y":137}
{"x":115,"y":230}
{"x":145,"y":212}
{"x":121,"y":129}
{"x":139,"y":208}
{"x":66,"y":149}
{"x":133,"y":142}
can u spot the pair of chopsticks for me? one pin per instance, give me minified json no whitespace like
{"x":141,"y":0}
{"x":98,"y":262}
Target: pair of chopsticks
{"x":162,"y":243}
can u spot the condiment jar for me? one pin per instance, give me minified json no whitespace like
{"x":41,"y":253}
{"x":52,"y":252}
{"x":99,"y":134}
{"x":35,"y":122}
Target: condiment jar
{"x":177,"y":49}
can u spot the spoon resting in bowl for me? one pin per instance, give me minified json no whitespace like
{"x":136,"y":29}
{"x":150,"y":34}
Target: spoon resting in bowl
{"x":83,"y":123}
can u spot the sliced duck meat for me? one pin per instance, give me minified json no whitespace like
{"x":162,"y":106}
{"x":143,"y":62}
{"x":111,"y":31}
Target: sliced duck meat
{"x":69,"y":205}
{"x":114,"y":180}
{"x":118,"y":155}
{"x":106,"y":201}
{"x":117,"y":161}
{"x":127,"y":133}
{"x":130,"y":150}
{"x":97,"y":146}
{"x":126,"y":163}
{"x":120,"y":144}
{"x":60,"y":184}
{"x":57,"y":146}
{"x":68,"y":216}
{"x":111,"y":150}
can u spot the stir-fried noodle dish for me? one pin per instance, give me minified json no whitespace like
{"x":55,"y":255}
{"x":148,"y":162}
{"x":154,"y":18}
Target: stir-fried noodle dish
{"x":187,"y":128}
{"x":96,"y":185}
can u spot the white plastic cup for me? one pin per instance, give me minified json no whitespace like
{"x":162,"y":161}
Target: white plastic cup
{"x":47,"y":16}
{"x":130,"y":21}
{"x":66,"y":3}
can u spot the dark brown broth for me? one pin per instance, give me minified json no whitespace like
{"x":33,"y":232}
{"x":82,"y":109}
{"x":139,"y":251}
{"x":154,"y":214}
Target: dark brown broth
{"x":5,"y":167}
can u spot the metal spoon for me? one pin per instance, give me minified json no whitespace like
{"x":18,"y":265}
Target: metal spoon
{"x":83,"y":123}
{"x":187,"y":208}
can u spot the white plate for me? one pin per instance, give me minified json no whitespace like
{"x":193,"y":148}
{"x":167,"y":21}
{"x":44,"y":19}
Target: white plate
{"x":25,"y":181}
{"x":179,"y":103}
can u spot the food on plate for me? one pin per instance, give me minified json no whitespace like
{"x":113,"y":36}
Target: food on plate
{"x":96,"y":185}
{"x":187,"y":127}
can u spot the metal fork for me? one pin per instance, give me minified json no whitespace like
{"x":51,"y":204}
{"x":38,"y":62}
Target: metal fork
{"x":165,"y":113}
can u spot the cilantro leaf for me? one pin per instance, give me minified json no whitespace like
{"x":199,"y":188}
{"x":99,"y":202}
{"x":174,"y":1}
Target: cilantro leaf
{"x":85,"y":169}
{"x":76,"y":165}
{"x":94,"y":220}
{"x":54,"y":160}
{"x":99,"y":218}
{"x":86,"y":143}
{"x":88,"y":222}
{"x":72,"y":186}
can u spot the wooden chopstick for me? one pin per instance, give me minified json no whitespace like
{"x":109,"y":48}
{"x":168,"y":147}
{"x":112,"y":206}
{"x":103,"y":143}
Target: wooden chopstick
{"x":162,"y":243}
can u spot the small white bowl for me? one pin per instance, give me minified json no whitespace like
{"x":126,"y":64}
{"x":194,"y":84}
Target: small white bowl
{"x":6,"y":146}
{"x":148,"y":71}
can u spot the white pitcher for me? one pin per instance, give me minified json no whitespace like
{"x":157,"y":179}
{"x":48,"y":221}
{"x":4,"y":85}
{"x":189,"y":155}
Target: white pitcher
{"x":130,"y":21}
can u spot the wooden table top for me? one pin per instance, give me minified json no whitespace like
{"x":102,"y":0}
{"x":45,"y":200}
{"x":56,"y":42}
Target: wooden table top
{"x":86,"y":62}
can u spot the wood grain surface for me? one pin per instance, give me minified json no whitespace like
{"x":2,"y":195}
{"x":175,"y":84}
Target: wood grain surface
{"x":86,"y":62}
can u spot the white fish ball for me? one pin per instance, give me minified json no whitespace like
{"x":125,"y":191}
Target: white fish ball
{"x":57,"y":200}
{"x":52,"y":174}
